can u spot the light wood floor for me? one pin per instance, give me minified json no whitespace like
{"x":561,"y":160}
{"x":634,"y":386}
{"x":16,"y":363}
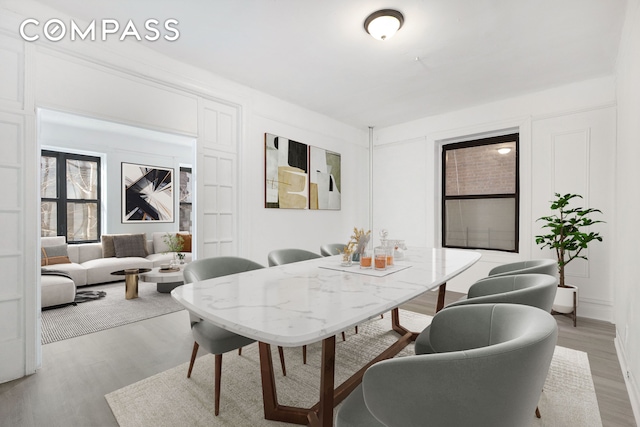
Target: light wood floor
{"x":76,"y":373}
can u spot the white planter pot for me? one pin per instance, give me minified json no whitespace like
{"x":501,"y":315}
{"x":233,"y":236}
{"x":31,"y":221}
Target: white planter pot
{"x":563,"y":302}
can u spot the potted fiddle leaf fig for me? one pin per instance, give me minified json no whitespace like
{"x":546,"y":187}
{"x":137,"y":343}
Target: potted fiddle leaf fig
{"x":568,"y":233}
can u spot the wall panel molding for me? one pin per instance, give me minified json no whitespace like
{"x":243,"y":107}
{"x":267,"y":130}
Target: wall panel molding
{"x":71,"y":84}
{"x":575,"y":153}
{"x":12,"y":72}
{"x":571,"y":171}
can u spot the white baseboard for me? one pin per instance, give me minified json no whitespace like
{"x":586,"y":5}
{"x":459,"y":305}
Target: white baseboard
{"x":629,"y":379}
{"x":595,"y":309}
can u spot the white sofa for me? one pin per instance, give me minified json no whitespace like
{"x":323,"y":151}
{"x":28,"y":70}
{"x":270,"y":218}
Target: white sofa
{"x":89,"y":266}
{"x":56,"y":290}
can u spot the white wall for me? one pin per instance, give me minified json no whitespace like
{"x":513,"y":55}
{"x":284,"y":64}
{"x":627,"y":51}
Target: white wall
{"x":407,"y":175}
{"x":626,"y":269}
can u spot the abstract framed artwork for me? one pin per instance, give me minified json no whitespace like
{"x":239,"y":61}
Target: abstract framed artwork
{"x":147,"y":193}
{"x":286,"y":173}
{"x":324,"y":179}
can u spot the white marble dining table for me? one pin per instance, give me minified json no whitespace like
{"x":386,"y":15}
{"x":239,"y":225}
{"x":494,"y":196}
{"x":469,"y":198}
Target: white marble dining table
{"x":305,"y":302}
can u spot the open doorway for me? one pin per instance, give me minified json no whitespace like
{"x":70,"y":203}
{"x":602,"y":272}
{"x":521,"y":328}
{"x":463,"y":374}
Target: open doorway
{"x":93,"y":154}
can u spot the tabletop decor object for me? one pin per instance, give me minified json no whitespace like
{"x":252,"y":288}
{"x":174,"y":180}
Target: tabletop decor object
{"x":175,"y":243}
{"x":400,"y":247}
{"x":365,"y":258}
{"x":380,"y":257}
{"x":347,"y":257}
{"x":358,"y":246}
{"x":388,"y":244}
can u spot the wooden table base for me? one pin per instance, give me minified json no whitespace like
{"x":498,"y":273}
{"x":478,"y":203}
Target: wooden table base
{"x":321,"y":414}
{"x":442,"y":290}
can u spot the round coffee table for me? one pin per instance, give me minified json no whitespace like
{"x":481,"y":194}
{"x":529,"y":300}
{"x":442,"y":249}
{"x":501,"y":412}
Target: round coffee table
{"x":131,"y":280}
{"x":167,"y":280}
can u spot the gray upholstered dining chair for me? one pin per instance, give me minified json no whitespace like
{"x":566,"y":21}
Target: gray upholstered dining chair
{"x":540,"y":266}
{"x":490,"y":363}
{"x":288,"y":256}
{"x":330,"y":249}
{"x":536,"y":290}
{"x":214,"y":339}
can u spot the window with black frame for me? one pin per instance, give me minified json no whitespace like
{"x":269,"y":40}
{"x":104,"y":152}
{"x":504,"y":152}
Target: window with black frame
{"x":186,"y":206}
{"x":70,"y":196}
{"x":480,"y":194}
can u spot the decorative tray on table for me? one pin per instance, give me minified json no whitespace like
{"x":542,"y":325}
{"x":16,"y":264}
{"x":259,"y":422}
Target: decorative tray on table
{"x":169,"y":270}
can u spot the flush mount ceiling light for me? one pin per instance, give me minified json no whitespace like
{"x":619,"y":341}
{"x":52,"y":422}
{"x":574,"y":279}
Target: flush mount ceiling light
{"x":504,"y":150}
{"x":383,"y":24}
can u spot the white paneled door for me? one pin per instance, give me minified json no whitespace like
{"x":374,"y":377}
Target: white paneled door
{"x":217,"y":179}
{"x":17,"y":288}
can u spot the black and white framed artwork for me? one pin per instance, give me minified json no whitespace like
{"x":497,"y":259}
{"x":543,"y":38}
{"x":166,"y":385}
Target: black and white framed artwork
{"x":147,"y":193}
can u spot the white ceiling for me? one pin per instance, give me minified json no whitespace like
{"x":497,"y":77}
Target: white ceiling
{"x":449,"y":54}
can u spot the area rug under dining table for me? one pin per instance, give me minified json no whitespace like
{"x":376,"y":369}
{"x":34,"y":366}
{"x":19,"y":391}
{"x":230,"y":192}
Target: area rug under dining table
{"x":171,"y":399}
{"x":106,"y":312}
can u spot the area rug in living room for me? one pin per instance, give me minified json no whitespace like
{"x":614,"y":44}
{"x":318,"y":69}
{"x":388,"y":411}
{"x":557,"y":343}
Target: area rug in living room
{"x":171,"y":399}
{"x":107,"y":312}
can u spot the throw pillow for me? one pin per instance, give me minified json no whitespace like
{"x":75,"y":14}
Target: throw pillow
{"x":55,"y":255}
{"x":108,"y":250}
{"x":159,"y":245}
{"x":186,"y":242}
{"x":132,"y":245}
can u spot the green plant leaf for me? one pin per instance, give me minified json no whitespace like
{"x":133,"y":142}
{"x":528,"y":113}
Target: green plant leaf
{"x":566,"y":230}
